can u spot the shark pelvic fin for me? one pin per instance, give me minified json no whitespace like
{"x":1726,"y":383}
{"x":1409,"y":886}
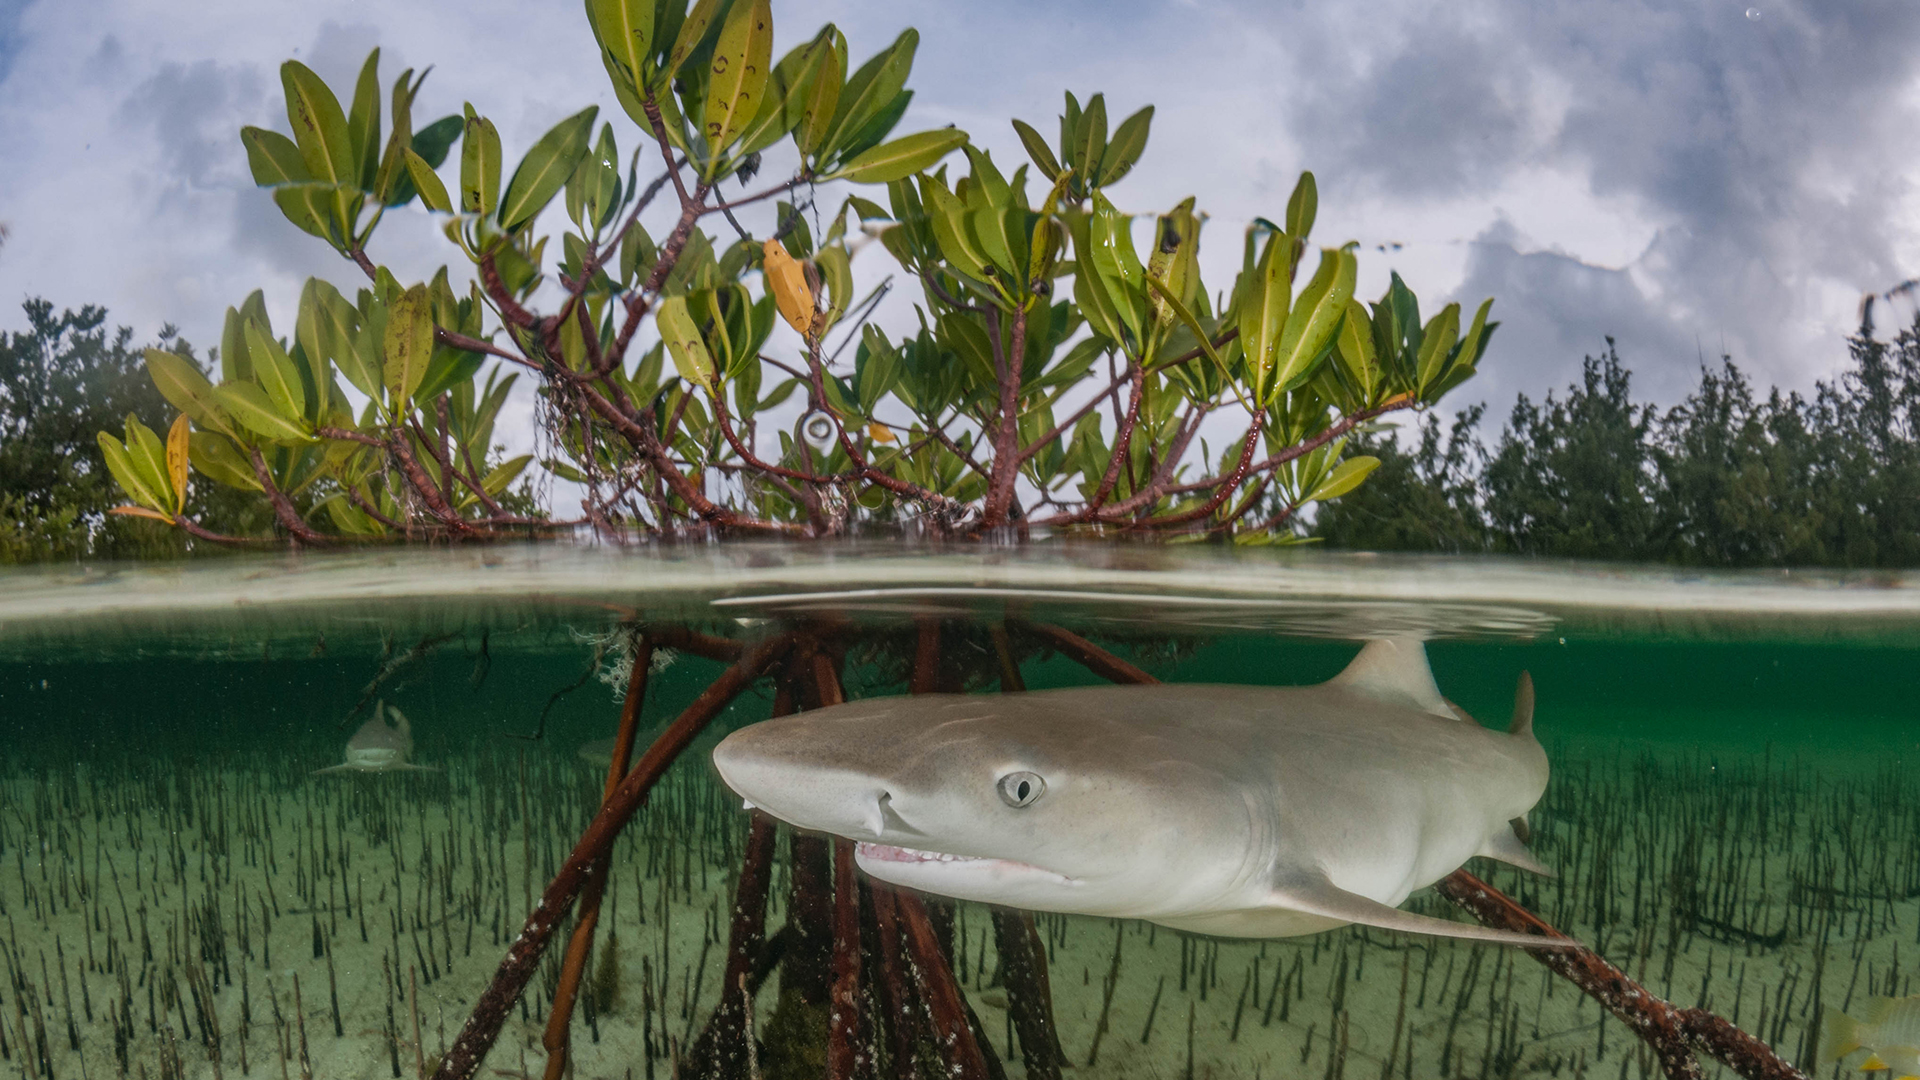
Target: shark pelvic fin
{"x":1318,"y":896}
{"x":1395,"y":670}
{"x":1506,"y":846}
{"x":1522,"y":707}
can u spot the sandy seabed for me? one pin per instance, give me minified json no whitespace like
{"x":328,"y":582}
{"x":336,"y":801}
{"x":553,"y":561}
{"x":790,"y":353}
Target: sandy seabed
{"x":159,"y":914}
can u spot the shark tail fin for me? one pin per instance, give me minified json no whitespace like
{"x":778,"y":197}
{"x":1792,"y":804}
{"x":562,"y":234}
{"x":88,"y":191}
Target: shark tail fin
{"x":1394,"y":670}
{"x":1522,"y":707}
{"x":1839,"y":1035}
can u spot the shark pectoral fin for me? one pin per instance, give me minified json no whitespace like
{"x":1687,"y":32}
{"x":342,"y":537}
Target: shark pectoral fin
{"x":1505,"y":845}
{"x":1318,"y":896}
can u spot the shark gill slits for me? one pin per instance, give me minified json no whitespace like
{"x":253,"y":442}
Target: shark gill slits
{"x":1021,"y":788}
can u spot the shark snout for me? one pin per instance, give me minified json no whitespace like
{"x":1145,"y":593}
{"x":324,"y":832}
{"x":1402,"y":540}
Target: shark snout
{"x":807,"y":793}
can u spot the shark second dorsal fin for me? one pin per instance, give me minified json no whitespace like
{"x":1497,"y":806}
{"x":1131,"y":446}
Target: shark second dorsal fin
{"x":1505,"y":845}
{"x":1316,"y":895}
{"x":1522,"y":707}
{"x":1395,"y":670}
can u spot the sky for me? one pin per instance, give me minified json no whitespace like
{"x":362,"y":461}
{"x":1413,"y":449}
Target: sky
{"x":1693,"y":178}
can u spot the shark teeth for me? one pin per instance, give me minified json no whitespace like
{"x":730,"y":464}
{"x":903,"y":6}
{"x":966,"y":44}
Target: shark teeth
{"x":892,"y":853}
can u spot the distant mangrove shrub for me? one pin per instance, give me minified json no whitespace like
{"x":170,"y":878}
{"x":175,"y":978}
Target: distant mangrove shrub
{"x":62,"y":378}
{"x":1062,"y":368}
{"x":1730,"y":476}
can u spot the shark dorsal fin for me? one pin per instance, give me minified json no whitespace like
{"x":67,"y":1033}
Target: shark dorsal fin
{"x":1394,"y":670}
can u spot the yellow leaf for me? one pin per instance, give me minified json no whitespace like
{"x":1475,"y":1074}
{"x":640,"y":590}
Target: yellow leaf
{"x":177,"y":460}
{"x":880,"y":432}
{"x":788,"y":280}
{"x":141,"y":511}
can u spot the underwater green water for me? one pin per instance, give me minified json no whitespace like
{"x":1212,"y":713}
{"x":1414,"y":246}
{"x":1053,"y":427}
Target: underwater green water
{"x":1734,"y":811}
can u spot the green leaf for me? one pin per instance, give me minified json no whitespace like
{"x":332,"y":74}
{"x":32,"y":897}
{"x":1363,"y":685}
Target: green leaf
{"x":820,"y":98}
{"x":319,"y":127}
{"x":338,"y":329}
{"x":1302,"y":206}
{"x":947,"y":217}
{"x":433,"y":141}
{"x":308,"y":337}
{"x":1344,"y":478}
{"x":1176,"y":248}
{"x":1355,"y":349}
{"x":216,"y":457}
{"x":390,"y":185}
{"x":274,"y":371}
{"x":233,"y":349}
{"x":1118,"y":269}
{"x":1092,"y":140}
{"x":1038,"y":150}
{"x":312,"y":206}
{"x":1437,"y":339}
{"x":624,"y":29}
{"x":448,"y":369}
{"x":363,"y":121}
{"x":739,"y":73}
{"x":683,"y":339}
{"x":273,"y":158}
{"x":783,"y":102}
{"x":837,"y":273}
{"x":872,"y":89}
{"x":129,"y":477}
{"x":408,"y":345}
{"x":480,"y":165}
{"x":432,"y":192}
{"x":692,"y":29}
{"x":1168,"y":297}
{"x":249,"y":404}
{"x":1315,"y":318}
{"x":1473,"y":343}
{"x":148,"y":456}
{"x":179,"y":381}
{"x":900,"y":158}
{"x":1263,"y":312}
{"x":1129,"y":142}
{"x":1088,"y":292}
{"x":544,"y":171}
{"x":504,"y":474}
{"x":877,"y":127}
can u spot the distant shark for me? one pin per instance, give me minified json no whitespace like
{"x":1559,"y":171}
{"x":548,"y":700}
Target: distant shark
{"x":380,"y":746}
{"x":1238,"y":811}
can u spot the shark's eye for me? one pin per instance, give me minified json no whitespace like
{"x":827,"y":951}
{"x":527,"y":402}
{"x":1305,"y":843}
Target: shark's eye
{"x":1021,"y":788}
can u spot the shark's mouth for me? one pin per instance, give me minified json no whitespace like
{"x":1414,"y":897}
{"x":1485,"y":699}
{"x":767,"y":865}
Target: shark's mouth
{"x":893,"y":853}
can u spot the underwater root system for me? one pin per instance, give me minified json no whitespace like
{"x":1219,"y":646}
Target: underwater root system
{"x":877,"y":965}
{"x":1674,"y":1033}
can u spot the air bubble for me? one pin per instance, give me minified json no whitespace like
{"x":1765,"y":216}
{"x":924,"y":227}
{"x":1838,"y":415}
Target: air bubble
{"x":818,"y":429}
{"x":1753,"y":13}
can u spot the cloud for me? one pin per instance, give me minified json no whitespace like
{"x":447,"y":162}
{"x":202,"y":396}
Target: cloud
{"x":1555,"y":309}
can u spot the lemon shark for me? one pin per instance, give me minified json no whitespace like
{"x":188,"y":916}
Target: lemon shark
{"x":382,"y":744}
{"x":1238,"y":811}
